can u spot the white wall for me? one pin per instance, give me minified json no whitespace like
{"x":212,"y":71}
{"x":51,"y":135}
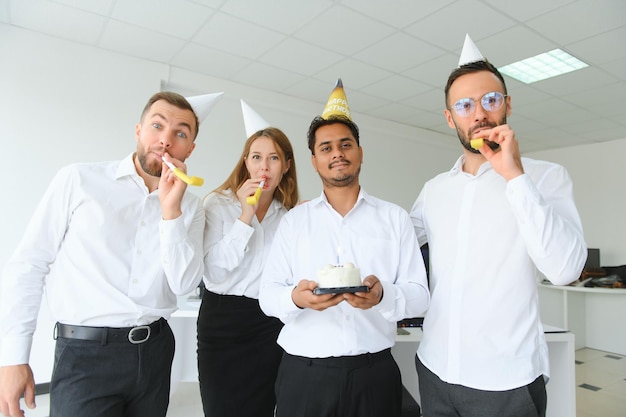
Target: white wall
{"x":598,"y":171}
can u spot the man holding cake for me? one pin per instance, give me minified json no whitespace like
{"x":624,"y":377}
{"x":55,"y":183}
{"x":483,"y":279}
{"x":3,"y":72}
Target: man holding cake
{"x":337,"y":339}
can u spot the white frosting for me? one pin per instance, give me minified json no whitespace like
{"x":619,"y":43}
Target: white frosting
{"x":332,"y":276}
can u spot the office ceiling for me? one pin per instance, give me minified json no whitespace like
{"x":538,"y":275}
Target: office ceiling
{"x":394,"y":56}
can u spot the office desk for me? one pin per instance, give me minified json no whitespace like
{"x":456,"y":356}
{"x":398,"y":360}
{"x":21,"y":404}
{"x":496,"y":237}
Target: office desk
{"x":561,"y":388}
{"x":594,"y":315}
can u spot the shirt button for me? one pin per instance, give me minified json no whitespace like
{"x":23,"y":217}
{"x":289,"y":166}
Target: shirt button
{"x":138,"y":251}
{"x":135,"y":281}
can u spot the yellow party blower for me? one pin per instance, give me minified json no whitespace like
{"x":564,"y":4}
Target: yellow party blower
{"x":197,"y":181}
{"x":254,"y":199}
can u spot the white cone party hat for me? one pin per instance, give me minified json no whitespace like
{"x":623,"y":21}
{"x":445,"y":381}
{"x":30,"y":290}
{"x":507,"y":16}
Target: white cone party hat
{"x":251,"y":120}
{"x":203,"y":104}
{"x":470,"y":52}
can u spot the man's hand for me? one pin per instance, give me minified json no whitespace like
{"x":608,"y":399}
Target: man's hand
{"x":171,"y":189}
{"x":302,"y":296}
{"x":16,"y":380}
{"x":506,"y":161}
{"x":365,"y":300}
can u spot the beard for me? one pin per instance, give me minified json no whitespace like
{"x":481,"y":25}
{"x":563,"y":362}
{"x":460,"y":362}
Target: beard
{"x":342,"y":179}
{"x":465,"y":137}
{"x":152,"y":168}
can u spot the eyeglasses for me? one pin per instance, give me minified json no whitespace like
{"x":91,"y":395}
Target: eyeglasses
{"x":491,"y":102}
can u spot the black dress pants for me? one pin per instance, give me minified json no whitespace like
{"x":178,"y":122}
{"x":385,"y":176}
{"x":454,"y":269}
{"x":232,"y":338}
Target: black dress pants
{"x":112,"y":378}
{"x":367,"y":385}
{"x":238,"y":357}
{"x":441,"y":399}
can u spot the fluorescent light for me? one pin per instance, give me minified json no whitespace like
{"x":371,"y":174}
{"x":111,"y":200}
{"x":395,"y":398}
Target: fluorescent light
{"x":540,"y":67}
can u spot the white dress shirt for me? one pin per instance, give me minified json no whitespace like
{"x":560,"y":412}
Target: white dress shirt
{"x":487,"y":241}
{"x":378,"y":238}
{"x":98,"y":244}
{"x":236,"y":252}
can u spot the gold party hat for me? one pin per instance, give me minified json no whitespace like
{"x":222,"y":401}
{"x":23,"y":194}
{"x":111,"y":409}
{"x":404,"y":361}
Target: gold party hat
{"x":337,"y":103}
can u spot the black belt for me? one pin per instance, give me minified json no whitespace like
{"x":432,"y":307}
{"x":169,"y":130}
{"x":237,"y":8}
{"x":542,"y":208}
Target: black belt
{"x":104,"y":335}
{"x":357,"y":361}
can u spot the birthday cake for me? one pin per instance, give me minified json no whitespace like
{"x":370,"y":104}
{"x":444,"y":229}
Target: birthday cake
{"x":336,"y":276}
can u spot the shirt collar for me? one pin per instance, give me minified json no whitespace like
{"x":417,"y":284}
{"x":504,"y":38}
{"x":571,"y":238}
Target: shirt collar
{"x":458,"y":165}
{"x":457,"y":168}
{"x":363,"y":198}
{"x":126,"y":167}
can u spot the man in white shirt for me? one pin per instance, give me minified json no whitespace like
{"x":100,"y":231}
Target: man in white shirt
{"x":113,"y":243}
{"x":492,"y":224}
{"x":338,"y":359}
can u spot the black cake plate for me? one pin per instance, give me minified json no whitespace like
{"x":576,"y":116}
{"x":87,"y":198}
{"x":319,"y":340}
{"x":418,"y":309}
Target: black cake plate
{"x":341,"y":290}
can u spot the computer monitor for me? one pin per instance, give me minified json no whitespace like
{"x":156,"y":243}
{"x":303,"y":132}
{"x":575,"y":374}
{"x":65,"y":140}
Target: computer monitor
{"x":593,"y":259}
{"x":425,"y":257}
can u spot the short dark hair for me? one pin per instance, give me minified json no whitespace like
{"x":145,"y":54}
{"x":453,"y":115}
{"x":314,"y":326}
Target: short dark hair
{"x":331,"y":120}
{"x":174,"y":99}
{"x":470,"y":68}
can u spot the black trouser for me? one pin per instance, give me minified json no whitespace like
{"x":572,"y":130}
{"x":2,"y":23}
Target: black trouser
{"x":112,"y":377}
{"x":367,"y":385}
{"x":440,"y":399}
{"x":238,"y":357}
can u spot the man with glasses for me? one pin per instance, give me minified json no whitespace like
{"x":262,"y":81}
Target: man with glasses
{"x":493,"y":224}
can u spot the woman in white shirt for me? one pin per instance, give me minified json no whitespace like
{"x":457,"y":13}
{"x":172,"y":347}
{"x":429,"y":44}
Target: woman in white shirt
{"x":238,"y":356}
